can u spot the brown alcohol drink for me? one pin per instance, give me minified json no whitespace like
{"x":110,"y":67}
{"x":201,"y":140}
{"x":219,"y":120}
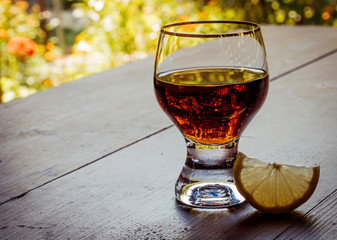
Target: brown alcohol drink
{"x":212,"y":105}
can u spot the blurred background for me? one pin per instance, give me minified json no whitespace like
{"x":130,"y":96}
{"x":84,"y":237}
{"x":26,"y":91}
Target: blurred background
{"x":44,"y":43}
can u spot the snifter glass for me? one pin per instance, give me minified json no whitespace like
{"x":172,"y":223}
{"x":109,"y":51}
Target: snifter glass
{"x":211,"y":78}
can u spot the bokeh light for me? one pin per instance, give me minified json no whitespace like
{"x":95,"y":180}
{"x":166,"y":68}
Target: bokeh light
{"x":76,"y":38}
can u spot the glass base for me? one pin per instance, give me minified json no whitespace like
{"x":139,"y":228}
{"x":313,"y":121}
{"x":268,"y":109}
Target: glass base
{"x":206,"y":180}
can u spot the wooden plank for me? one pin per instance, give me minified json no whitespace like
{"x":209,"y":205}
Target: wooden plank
{"x":127,"y":195}
{"x":54,"y":132}
{"x":130,"y":195}
{"x":290,"y":47}
{"x":49,"y":134}
{"x":322,"y":217}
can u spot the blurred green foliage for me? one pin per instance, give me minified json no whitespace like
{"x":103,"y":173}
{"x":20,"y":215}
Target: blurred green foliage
{"x":117,"y":32}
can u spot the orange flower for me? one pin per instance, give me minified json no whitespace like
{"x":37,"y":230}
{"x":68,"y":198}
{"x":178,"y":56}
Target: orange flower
{"x":183,"y":18}
{"x":21,"y":46}
{"x":23,"y":5}
{"x":49,"y":56}
{"x":326,"y":16}
{"x":47,"y":83}
{"x":3,"y":33}
{"x":78,"y":38}
{"x":202,"y":15}
{"x":50,"y":46}
{"x":212,"y":3}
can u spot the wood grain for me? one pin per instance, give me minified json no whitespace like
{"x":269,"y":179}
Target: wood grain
{"x":290,"y":47}
{"x":55,"y":132}
{"x":129,"y":194}
{"x":320,"y":223}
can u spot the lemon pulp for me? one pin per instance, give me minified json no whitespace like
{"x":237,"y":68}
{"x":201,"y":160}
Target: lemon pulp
{"x":273,"y":187}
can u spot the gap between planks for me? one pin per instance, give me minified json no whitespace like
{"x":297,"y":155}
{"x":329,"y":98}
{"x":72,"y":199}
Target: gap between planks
{"x":314,"y":209}
{"x":165,"y":128}
{"x":304,"y":64}
{"x":89,"y":163}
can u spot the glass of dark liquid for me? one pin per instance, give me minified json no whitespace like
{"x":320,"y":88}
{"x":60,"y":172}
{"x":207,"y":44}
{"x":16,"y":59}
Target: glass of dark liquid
{"x":210,"y":78}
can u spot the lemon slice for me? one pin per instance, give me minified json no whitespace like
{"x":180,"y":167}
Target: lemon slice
{"x":272,"y":187}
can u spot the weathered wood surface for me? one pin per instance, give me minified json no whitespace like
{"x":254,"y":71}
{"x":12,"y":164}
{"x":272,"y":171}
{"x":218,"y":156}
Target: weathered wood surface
{"x":319,"y":223}
{"x":55,"y":132}
{"x":129,"y":193}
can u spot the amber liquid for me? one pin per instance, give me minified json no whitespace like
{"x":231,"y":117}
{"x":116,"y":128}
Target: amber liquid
{"x":212,"y":105}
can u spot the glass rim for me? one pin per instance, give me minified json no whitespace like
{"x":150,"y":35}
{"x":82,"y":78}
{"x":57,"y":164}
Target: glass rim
{"x":210,"y":35}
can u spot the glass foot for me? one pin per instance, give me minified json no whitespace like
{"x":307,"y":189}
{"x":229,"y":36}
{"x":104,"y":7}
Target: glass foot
{"x":208,"y":194}
{"x":206,"y":180}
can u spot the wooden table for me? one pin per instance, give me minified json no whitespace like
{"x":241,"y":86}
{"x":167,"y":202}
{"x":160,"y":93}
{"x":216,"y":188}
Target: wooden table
{"x":98,"y":159}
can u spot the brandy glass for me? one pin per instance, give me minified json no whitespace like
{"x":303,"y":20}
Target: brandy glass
{"x":210,"y":78}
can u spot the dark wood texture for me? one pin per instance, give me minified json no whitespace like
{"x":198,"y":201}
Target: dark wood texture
{"x":319,"y":223}
{"x":97,"y":158}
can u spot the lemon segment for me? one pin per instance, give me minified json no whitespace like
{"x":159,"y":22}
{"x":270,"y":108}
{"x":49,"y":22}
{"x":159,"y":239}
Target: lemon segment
{"x":272,"y":187}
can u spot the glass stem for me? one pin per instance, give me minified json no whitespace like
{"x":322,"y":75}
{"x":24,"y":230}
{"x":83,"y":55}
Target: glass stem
{"x":206,"y":179}
{"x":211,"y":157}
